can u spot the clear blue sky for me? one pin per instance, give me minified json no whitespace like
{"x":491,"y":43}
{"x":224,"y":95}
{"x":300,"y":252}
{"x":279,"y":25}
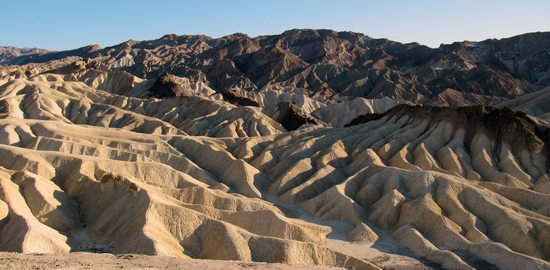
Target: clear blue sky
{"x":67,"y":24}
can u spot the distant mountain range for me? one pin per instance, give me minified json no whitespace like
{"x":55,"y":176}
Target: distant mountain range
{"x":8,"y":53}
{"x":326,"y":64}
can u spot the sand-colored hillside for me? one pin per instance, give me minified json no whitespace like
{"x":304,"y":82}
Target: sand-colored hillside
{"x":83,"y":169}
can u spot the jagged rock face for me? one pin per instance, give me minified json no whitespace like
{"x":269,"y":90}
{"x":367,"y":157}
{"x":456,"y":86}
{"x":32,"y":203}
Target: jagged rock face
{"x":168,"y":86}
{"x":291,"y":116}
{"x":333,"y":64}
{"x":235,"y":98}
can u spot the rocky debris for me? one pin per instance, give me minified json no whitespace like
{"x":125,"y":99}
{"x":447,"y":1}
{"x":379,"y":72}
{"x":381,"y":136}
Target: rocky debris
{"x":102,"y":260}
{"x":291,"y":116}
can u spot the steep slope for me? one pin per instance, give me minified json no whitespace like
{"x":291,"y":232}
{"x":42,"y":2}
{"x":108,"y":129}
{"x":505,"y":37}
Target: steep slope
{"x":448,"y":184}
{"x":340,"y":114}
{"x":89,"y":170}
{"x":135,"y":187}
{"x":49,"y":97}
{"x":536,"y":104}
{"x":330,"y":65}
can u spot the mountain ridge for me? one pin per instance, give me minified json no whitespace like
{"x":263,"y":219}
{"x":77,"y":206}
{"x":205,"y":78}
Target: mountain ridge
{"x":335,"y":64}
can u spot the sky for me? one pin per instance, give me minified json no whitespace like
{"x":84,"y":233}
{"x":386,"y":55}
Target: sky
{"x":69,"y":24}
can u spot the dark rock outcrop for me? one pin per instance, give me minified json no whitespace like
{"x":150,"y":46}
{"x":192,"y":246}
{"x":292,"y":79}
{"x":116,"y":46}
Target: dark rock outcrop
{"x":361,"y":119}
{"x":291,"y":116}
{"x":167,"y":85}
{"x":504,"y":125}
{"x":234,"y":97}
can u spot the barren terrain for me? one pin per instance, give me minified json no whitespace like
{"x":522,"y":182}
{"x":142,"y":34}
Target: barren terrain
{"x":96,"y":159}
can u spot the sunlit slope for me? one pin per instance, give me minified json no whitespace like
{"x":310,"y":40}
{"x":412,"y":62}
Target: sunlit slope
{"x":87,"y":169}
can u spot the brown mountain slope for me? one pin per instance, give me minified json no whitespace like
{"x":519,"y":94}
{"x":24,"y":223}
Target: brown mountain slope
{"x":331,"y":64}
{"x":536,"y":104}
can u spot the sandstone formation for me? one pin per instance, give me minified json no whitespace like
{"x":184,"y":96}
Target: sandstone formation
{"x":312,"y":147}
{"x":86,"y":169}
{"x":291,"y":116}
